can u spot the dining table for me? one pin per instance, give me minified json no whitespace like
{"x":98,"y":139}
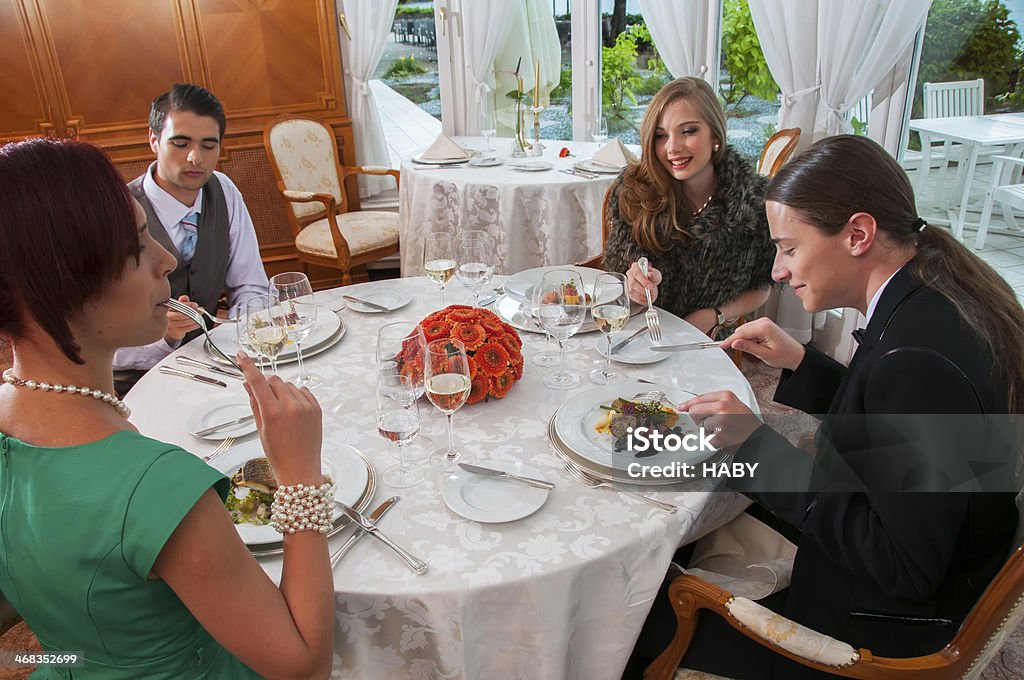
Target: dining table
{"x":538,"y":213}
{"x":559,"y":594}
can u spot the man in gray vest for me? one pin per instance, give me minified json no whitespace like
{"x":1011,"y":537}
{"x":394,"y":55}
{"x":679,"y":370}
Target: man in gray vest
{"x":195,"y":213}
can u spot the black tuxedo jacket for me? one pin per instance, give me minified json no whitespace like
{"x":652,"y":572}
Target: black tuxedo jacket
{"x":892,"y":570}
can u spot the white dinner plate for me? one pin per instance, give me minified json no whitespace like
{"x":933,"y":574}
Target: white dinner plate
{"x":532,"y":166}
{"x":486,"y":162}
{"x":510,"y":311}
{"x":341,"y":461}
{"x":442,"y":161}
{"x":590,"y":166}
{"x":328,"y":325}
{"x":519,"y":286}
{"x":636,"y":352}
{"x":392,"y":299}
{"x":483,"y":498}
{"x":222,"y":411}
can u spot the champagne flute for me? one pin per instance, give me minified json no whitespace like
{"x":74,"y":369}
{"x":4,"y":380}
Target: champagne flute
{"x":561,"y":310}
{"x":488,"y":124}
{"x":295,"y":294}
{"x":599,"y":132}
{"x":265,"y":327}
{"x":401,"y":349}
{"x":475,"y":254}
{"x":439,"y":259}
{"x":547,"y":358}
{"x":446,"y":375}
{"x":398,"y":421}
{"x":610,"y":309}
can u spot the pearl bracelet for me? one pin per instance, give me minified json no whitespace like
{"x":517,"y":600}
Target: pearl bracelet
{"x":302,"y":508}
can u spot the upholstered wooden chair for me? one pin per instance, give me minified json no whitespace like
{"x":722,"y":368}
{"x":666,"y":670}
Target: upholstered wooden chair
{"x":995,"y":615}
{"x":304,"y":154}
{"x":777,"y":151}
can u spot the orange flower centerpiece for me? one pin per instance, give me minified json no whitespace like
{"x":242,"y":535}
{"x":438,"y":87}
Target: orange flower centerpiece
{"x":493,"y":347}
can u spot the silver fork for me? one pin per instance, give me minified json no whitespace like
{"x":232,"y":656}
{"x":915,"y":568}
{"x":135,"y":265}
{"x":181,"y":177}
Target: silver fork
{"x":182,"y":308}
{"x":216,"y":319}
{"x":224,"y":446}
{"x":586,"y":479}
{"x":653,"y":325}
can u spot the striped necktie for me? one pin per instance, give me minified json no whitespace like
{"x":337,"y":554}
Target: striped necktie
{"x":190,"y":223}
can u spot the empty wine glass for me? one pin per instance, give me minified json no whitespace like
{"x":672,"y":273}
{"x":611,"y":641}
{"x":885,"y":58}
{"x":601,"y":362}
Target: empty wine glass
{"x":296,"y":297}
{"x":398,"y":421}
{"x":475,"y":256}
{"x":265,"y":327}
{"x":610,"y":309}
{"x":488,"y":124}
{"x":439,"y":259}
{"x":561,"y":309}
{"x":401,"y":349}
{"x":599,"y":132}
{"x":548,"y":357}
{"x":446,"y":375}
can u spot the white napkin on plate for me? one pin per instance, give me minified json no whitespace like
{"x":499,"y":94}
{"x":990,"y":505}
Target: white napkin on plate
{"x":614,"y":154}
{"x":444,"y":149}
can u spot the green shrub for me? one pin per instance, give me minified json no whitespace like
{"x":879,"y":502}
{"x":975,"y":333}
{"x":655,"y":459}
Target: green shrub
{"x":403,"y":67}
{"x":563,"y":90}
{"x":742,"y":57}
{"x":619,"y":79}
{"x":402,"y":12}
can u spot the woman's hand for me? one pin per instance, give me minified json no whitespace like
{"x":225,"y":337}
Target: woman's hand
{"x":179,"y":325}
{"x":289,"y":422}
{"x":769,"y":343}
{"x":636,"y":282}
{"x":723,"y":414}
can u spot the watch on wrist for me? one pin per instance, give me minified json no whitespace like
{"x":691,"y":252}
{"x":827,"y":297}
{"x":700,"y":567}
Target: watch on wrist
{"x":720,"y":317}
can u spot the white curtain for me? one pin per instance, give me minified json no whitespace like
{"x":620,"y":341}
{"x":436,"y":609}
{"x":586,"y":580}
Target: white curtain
{"x":484,"y":25}
{"x":680,"y":33}
{"x":369,"y":21}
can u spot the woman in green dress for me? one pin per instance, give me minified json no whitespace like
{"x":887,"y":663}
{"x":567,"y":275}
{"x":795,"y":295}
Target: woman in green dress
{"x":112,"y":544}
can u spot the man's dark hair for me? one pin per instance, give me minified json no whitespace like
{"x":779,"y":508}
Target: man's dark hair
{"x":186,"y":97}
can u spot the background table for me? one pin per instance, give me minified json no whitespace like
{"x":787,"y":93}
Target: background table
{"x":536,"y":218}
{"x":561,"y":594}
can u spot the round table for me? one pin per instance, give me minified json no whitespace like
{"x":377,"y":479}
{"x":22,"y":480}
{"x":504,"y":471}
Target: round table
{"x":536,"y":218}
{"x":559,"y":594}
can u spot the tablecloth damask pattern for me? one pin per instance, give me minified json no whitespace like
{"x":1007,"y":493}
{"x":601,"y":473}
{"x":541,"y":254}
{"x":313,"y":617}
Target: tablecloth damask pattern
{"x":561,"y":594}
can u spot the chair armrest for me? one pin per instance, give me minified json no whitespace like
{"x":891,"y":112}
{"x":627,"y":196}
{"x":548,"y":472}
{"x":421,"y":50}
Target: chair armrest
{"x":1008,"y":159}
{"x":371,"y":170}
{"x":1002,"y":171}
{"x":308,"y":197}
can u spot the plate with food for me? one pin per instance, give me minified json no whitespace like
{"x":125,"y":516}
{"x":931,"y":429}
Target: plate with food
{"x":520,"y":286}
{"x":517,"y":315}
{"x":253,"y":483}
{"x":327,"y":331}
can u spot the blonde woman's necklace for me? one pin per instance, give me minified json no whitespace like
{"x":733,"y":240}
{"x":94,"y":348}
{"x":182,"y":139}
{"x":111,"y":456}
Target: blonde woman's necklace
{"x":106,"y":397}
{"x":698,"y":211}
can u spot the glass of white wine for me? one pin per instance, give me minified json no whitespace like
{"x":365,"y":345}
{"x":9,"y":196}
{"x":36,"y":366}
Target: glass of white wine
{"x":610,"y":309}
{"x":561,"y":308}
{"x":475,"y":257}
{"x":446,"y":376}
{"x":439,"y":259}
{"x":265,"y":327}
{"x":401,"y":348}
{"x":296,"y":295}
{"x":398,"y":421}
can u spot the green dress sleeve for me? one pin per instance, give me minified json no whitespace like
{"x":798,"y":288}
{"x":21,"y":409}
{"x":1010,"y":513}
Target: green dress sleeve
{"x":165,"y":492}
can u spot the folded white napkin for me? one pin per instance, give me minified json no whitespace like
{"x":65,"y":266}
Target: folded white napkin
{"x":444,"y":149}
{"x":614,"y":154}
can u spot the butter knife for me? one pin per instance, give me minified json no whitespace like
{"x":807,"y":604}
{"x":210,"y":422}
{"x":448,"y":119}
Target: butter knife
{"x":223,"y":426}
{"x":480,"y":470}
{"x":377,"y":513}
{"x":371,"y":305}
{"x":189,"y":361}
{"x":622,"y":343}
{"x":707,"y":344}
{"x":415,"y":563}
{"x":193,"y":376}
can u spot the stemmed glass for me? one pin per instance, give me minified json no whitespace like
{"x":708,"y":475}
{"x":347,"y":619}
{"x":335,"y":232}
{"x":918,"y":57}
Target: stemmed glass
{"x":296,"y":296}
{"x":610,"y":309}
{"x":398,"y":421}
{"x":475,"y":254}
{"x":599,"y":132}
{"x":488,"y":125}
{"x":561,"y":309}
{"x":446,"y":375}
{"x":548,"y":357}
{"x":439,"y":259}
{"x":401,"y":349}
{"x":265,"y":327}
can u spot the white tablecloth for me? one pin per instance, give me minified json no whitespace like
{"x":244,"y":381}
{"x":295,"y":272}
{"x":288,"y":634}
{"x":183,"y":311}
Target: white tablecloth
{"x":560,"y":594}
{"x":537,"y":218}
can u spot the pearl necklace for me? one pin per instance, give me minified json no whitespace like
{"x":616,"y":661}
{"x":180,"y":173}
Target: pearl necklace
{"x":698,"y":211}
{"x":107,"y":398}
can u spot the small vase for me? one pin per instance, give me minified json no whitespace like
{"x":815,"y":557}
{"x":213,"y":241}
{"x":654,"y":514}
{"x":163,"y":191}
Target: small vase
{"x":519,"y":144}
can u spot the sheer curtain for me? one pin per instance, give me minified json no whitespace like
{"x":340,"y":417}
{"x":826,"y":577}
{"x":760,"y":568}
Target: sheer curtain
{"x":370,"y":24}
{"x":484,"y":25}
{"x":680,"y":31}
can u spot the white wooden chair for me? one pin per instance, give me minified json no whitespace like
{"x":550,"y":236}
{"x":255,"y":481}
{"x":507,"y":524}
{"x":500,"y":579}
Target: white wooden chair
{"x":1007,"y":189}
{"x":861,"y":111}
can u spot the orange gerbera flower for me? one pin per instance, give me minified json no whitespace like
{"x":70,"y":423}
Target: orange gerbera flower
{"x":472,"y":335}
{"x":509,"y":330}
{"x":437,"y":329}
{"x":479,"y":390}
{"x":501,"y":384}
{"x":492,"y":358}
{"x":464,"y":315}
{"x":492,"y":326}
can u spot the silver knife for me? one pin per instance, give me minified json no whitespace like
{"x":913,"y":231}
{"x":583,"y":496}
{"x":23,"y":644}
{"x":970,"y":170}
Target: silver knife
{"x":189,"y":361}
{"x":622,"y":343}
{"x":371,"y":305}
{"x":489,"y":298}
{"x":377,"y":513}
{"x":577,"y":173}
{"x":194,"y":376}
{"x":707,"y":344}
{"x":223,"y":426}
{"x":539,"y":483}
{"x":415,"y":563}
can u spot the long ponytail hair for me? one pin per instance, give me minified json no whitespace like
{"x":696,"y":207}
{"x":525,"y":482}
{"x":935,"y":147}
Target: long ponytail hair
{"x":842,"y":175}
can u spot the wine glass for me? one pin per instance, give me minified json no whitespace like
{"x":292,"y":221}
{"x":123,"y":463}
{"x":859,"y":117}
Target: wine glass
{"x":265,"y":327}
{"x":599,"y":132}
{"x":548,"y":357}
{"x":475,"y":256}
{"x":446,"y":375}
{"x":401,"y":350}
{"x":610,"y":309}
{"x":439,"y":259}
{"x":398,"y":421}
{"x":296,"y":296}
{"x":561,"y":309}
{"x":488,"y":124}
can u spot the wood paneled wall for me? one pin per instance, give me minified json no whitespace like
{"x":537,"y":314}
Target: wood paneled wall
{"x":89,"y":69}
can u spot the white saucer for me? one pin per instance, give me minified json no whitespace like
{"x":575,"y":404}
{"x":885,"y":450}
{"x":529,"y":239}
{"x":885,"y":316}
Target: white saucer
{"x":637,"y":352}
{"x":218,"y":412}
{"x":531,"y":166}
{"x":392,"y":299}
{"x":483,"y":498}
{"x":438,"y":161}
{"x":589,"y":165}
{"x":486,"y":162}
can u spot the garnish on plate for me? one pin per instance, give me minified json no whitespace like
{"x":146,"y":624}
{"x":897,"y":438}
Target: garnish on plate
{"x":626,"y":415}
